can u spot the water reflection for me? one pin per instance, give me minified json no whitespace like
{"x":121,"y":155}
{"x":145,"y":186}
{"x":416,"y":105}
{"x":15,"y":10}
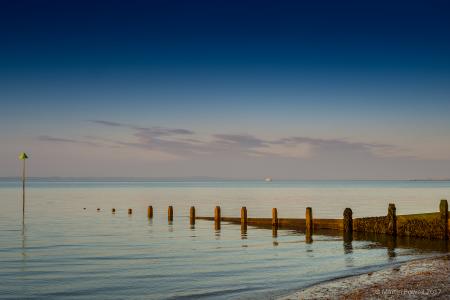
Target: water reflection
{"x":243,"y":231}
{"x":244,"y":234}
{"x":274,"y":231}
{"x":348,"y":239}
{"x":389,"y":242}
{"x":348,"y":249}
{"x":308,"y":236}
{"x":193,"y":231}
{"x":391,"y":245}
{"x":24,"y":241}
{"x":309,"y":250}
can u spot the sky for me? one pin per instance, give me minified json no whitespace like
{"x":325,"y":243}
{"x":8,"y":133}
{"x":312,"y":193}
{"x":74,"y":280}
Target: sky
{"x":226,"y":89}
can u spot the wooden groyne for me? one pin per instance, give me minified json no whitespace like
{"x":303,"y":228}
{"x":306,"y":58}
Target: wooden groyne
{"x":428,"y":225}
{"x":434,"y":225}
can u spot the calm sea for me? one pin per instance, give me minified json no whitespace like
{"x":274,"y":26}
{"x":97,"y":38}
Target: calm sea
{"x":66,"y":251}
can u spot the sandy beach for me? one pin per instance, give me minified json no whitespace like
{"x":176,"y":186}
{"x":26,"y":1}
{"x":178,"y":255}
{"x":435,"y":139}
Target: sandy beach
{"x":419,"y":279}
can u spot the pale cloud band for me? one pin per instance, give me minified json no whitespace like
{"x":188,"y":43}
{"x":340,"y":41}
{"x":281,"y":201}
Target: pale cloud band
{"x":181,"y":143}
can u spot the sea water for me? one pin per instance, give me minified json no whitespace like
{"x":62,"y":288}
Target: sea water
{"x":68,"y":249}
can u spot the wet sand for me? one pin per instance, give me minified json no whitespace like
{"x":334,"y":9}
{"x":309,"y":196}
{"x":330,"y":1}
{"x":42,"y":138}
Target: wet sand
{"x":420,"y":279}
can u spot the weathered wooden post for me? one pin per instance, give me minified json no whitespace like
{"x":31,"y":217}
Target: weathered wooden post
{"x":170,"y":213}
{"x":244,"y":215}
{"x":113,"y":210}
{"x":443,"y":212}
{"x":243,"y":219}
{"x":348,"y":220}
{"x":274,"y":222}
{"x":392,"y":220}
{"x":348,"y":230}
{"x":309,"y":220}
{"x":192,"y":215}
{"x":130,"y":211}
{"x":274,"y":217}
{"x":150,"y":212}
{"x":217,"y":217}
{"x":309,"y":226}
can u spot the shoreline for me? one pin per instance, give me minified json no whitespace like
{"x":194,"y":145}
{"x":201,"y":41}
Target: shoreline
{"x":424,"y":278}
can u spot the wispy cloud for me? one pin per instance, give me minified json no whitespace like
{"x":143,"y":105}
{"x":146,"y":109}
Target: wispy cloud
{"x":149,"y":131}
{"x":242,"y":141}
{"x":52,"y":139}
{"x":107,"y":123}
{"x":343,"y":145}
{"x":302,"y":147}
{"x":185,"y":143}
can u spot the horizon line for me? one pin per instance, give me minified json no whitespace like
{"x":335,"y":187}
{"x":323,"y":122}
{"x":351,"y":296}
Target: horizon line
{"x":199,"y":178}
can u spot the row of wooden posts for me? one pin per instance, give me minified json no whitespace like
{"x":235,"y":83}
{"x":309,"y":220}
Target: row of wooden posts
{"x":244,"y":219}
{"x":217,"y":216}
{"x":428,"y":225}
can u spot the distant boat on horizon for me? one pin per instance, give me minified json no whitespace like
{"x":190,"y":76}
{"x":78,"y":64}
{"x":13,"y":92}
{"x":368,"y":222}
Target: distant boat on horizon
{"x":268,"y":179}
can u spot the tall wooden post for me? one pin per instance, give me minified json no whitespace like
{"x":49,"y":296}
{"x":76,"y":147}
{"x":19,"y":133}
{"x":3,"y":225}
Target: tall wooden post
{"x":217,"y":217}
{"x":348,"y":220}
{"x":348,"y":230}
{"x":274,"y":222}
{"x":243,"y":221}
{"x":443,"y":212}
{"x":150,"y":212}
{"x":192,"y":215}
{"x":309,"y":226}
{"x":170,"y":213}
{"x":243,"y":215}
{"x":274,"y":217}
{"x":392,"y":219}
{"x":309,"y":220}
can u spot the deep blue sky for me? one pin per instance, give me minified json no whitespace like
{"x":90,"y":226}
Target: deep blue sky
{"x":152,"y":36}
{"x":289,"y":88}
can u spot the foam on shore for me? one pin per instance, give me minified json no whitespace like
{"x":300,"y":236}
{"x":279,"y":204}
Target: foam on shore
{"x":419,"y":279}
